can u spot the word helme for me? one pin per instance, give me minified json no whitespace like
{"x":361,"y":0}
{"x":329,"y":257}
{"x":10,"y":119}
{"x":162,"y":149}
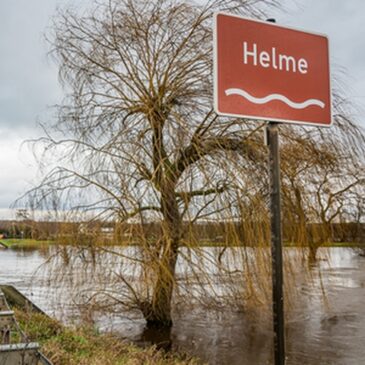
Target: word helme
{"x":273,"y":59}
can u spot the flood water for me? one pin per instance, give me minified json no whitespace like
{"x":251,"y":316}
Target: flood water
{"x":318,"y":332}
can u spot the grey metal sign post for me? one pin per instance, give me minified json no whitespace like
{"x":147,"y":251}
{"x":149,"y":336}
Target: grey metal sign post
{"x":276,"y":243}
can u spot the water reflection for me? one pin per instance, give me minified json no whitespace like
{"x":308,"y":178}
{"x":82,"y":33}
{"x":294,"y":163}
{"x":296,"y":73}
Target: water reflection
{"x":317,"y":331}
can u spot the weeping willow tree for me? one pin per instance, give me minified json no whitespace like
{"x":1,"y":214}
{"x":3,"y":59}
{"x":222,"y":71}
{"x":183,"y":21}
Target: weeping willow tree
{"x":323,"y":174}
{"x":136,"y":143}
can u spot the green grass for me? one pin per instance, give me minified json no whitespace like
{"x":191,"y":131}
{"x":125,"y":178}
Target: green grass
{"x":24,"y":243}
{"x":344,"y":244}
{"x":207,"y":243}
{"x":85,"y":346}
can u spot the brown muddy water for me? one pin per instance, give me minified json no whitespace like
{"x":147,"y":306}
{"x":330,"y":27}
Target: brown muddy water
{"x":317,"y":332}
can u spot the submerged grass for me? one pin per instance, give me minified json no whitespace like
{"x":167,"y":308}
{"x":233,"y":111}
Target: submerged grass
{"x":85,"y":346}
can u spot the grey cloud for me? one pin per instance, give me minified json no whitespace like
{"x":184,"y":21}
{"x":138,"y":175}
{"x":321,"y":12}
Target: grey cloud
{"x":28,"y":81}
{"x":343,"y":22}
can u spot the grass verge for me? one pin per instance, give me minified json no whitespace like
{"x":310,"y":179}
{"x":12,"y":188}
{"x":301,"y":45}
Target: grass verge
{"x":85,"y":346}
{"x":24,"y":243}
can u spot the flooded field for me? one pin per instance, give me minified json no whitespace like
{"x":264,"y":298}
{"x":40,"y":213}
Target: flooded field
{"x":321,"y":332}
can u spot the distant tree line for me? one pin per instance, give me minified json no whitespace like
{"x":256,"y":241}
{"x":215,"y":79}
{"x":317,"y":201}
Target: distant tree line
{"x":206,"y":233}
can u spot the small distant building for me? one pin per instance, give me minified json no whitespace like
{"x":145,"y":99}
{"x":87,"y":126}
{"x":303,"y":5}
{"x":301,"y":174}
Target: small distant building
{"x":107,"y":231}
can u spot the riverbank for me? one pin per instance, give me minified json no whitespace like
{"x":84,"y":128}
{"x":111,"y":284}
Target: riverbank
{"x":85,"y":346}
{"x":25,"y":243}
{"x":33,"y":244}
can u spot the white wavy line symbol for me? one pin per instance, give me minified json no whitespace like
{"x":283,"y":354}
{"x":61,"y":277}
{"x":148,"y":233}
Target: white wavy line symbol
{"x":271,"y":97}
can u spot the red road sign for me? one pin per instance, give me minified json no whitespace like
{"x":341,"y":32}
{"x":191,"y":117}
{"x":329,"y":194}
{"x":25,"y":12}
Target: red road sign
{"x":265,"y":71}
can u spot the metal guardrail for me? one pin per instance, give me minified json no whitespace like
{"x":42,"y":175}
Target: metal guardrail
{"x":18,"y":353}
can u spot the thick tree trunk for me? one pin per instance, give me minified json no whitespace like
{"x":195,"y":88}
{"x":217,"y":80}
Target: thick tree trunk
{"x":158,"y":312}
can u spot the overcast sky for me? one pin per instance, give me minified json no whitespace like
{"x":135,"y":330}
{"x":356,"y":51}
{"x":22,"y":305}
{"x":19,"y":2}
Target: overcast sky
{"x":29,"y":86}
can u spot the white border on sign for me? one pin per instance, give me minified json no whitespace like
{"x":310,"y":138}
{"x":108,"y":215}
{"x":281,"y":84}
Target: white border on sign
{"x":215,"y":73}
